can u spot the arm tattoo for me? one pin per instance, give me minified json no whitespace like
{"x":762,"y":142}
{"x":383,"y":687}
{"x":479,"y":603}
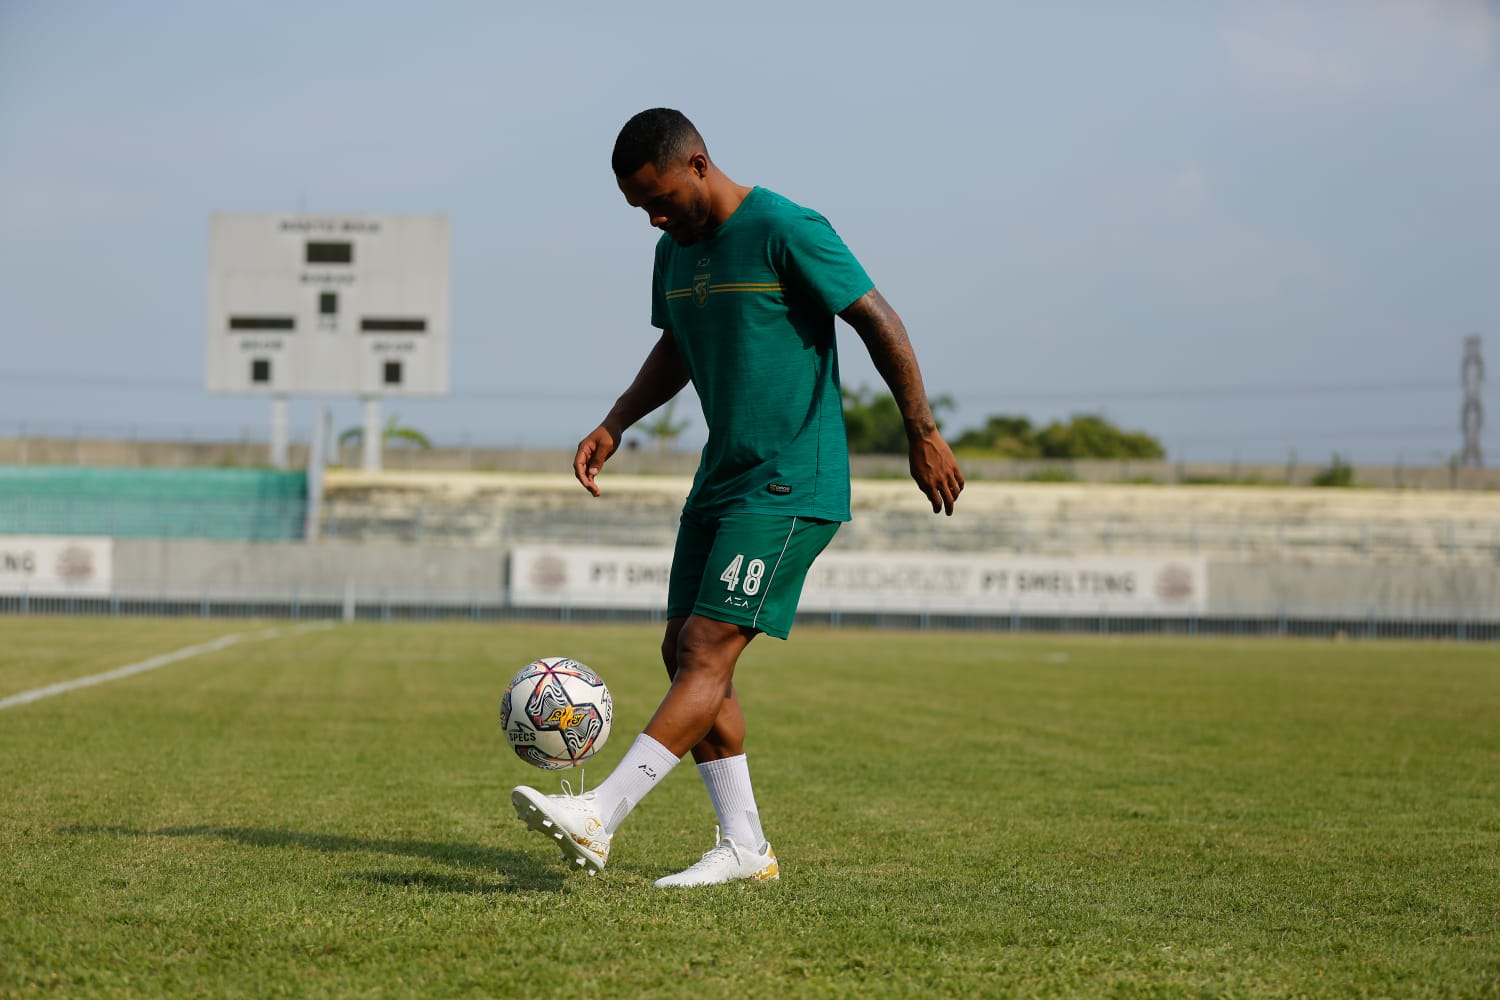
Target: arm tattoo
{"x":890,"y":349}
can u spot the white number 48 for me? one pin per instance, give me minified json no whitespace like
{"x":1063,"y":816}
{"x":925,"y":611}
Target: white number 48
{"x":754,"y":570}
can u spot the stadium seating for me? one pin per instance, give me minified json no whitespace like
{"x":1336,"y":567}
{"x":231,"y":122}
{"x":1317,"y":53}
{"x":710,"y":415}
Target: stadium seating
{"x":493,"y":510}
{"x":240,"y":504}
{"x":1255,"y":524}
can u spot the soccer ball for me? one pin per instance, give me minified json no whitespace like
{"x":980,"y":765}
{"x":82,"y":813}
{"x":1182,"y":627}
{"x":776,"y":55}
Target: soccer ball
{"x":556,"y":713}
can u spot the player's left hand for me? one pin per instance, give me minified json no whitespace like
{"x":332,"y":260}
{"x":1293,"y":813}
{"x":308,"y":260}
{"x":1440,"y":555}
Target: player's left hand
{"x":936,"y":471}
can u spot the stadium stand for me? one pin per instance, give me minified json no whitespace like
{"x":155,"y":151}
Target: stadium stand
{"x":1286,"y":525}
{"x":229,"y":504}
{"x":1278,"y":560}
{"x":493,"y":510}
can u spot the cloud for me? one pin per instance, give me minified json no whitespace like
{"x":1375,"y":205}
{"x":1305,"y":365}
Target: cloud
{"x":1338,"y":49}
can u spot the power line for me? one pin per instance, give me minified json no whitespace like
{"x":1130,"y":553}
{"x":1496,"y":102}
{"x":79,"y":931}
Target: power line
{"x":1212,"y":392}
{"x":196,"y":385}
{"x":1157,"y":393}
{"x":1305,"y":435}
{"x":99,"y":381}
{"x":197,"y":429}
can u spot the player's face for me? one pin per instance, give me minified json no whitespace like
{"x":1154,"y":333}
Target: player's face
{"x":674,"y":198}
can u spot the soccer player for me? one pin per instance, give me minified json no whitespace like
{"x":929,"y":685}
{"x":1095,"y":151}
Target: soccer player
{"x":746,"y":288}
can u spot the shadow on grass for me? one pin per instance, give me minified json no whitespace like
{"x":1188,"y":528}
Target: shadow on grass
{"x":516,"y":872}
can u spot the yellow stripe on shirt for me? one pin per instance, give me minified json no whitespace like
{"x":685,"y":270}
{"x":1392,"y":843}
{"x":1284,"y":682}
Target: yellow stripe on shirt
{"x":736,"y":286}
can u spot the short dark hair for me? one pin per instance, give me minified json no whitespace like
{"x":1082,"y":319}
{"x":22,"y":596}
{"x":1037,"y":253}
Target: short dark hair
{"x":656,"y":135}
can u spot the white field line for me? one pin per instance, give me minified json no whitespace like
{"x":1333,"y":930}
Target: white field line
{"x":129,"y":670}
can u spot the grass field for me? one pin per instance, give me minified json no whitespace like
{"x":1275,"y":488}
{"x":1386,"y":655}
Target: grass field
{"x":326,"y":813}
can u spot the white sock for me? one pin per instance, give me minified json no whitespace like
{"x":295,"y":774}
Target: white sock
{"x":728,"y":782}
{"x":645,"y":763}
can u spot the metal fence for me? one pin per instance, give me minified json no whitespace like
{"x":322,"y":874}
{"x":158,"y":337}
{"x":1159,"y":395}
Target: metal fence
{"x":1246,"y":622}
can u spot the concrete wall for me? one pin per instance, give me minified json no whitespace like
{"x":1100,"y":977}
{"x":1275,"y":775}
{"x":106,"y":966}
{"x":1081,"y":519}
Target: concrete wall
{"x":193,"y":570}
{"x":174,"y":568}
{"x":1383,"y":591}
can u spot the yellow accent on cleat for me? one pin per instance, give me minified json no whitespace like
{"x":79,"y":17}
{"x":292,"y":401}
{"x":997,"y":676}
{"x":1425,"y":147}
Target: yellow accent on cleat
{"x":727,"y":862}
{"x":572,"y":821}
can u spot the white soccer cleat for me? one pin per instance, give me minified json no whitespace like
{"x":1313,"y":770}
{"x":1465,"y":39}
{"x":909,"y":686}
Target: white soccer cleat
{"x":727,"y":862}
{"x":571,"y":820}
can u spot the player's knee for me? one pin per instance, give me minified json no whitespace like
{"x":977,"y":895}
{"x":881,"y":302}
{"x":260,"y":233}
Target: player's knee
{"x":707,"y":647}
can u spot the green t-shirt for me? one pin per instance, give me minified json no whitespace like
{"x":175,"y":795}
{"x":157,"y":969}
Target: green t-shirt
{"x":751,"y":307}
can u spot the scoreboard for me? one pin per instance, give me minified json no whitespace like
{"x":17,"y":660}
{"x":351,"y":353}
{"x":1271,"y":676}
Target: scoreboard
{"x":321,"y":305}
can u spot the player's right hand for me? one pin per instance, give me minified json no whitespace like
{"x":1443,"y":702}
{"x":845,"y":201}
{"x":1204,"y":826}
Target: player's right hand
{"x":592,"y":453}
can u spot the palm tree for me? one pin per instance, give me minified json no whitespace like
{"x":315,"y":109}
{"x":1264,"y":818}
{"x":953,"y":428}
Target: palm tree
{"x":393,"y":432}
{"x":662,"y":428}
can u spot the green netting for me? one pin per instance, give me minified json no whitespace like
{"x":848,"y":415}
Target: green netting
{"x":246,"y":504}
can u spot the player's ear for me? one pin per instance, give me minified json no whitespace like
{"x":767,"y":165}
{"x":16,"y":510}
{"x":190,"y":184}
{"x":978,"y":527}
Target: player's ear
{"x":698,"y":164}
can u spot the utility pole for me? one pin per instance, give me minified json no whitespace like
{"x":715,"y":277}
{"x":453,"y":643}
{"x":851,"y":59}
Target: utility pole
{"x":1472,"y":416}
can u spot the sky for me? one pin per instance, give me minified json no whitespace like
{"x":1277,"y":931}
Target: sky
{"x":1254,"y":230}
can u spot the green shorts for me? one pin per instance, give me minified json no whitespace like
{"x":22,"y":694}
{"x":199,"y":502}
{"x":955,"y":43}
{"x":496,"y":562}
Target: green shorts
{"x":747,"y":569}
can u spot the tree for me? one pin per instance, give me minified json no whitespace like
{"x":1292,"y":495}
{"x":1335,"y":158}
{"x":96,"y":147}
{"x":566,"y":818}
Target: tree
{"x":1083,"y":436}
{"x":1089,"y":436}
{"x":873,"y":421}
{"x":393,"y":432}
{"x":1010,"y":437}
{"x":1338,"y":473}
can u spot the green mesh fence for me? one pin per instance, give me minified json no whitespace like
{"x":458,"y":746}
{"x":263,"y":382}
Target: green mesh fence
{"x":242,"y":504}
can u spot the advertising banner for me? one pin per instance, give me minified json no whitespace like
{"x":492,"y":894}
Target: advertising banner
{"x":906,"y":582}
{"x":544,"y":576}
{"x":1002,"y":584}
{"x":56,"y":565}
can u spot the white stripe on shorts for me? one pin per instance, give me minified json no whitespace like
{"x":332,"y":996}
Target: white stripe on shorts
{"x":766,"y":590}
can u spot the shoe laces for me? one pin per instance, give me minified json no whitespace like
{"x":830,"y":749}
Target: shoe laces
{"x":567,"y":787}
{"x":722,"y":844}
